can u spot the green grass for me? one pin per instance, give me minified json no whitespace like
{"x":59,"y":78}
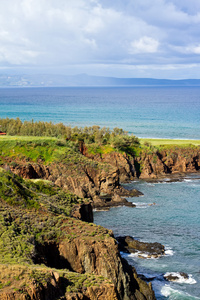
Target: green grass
{"x":26,"y":138}
{"x":159,"y":142}
{"x":32,"y":148}
{"x":34,"y":194}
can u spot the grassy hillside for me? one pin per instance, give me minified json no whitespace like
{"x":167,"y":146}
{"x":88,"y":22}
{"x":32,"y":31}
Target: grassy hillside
{"x":32,"y":213}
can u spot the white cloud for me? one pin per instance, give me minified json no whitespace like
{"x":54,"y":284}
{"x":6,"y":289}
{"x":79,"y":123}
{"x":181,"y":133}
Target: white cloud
{"x":196,"y":50}
{"x":189,"y":49}
{"x":48,"y":33}
{"x":144,"y":45}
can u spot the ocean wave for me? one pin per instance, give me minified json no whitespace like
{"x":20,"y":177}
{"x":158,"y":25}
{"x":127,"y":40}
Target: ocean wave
{"x":172,"y":294}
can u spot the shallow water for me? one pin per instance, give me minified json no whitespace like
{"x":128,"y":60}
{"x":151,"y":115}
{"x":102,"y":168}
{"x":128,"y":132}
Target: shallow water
{"x":174,"y":221}
{"x":156,"y":112}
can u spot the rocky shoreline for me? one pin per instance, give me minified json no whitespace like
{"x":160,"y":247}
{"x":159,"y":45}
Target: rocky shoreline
{"x":86,"y":248}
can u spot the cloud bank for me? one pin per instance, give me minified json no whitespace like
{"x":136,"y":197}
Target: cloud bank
{"x":121,"y":38}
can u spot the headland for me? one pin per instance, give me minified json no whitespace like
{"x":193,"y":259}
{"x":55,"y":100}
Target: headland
{"x":52,"y":177}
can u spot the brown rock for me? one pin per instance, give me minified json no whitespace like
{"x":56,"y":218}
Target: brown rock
{"x":128,"y":243}
{"x":83,"y":212}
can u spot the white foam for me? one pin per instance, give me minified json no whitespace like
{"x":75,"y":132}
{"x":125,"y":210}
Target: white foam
{"x":138,"y":254}
{"x":181,"y":279}
{"x":188,"y":180}
{"x":127,"y":255}
{"x":167,"y":291}
{"x":169,"y":251}
{"x":151,"y":184}
{"x":143,"y":205}
{"x":167,"y":179}
{"x":97,"y":210}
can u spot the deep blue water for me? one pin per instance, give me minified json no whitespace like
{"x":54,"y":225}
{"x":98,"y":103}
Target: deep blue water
{"x":146,"y":112}
{"x":156,"y":112}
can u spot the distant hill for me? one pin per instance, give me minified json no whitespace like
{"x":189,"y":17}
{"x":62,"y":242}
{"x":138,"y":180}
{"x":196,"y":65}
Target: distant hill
{"x":87,"y":80}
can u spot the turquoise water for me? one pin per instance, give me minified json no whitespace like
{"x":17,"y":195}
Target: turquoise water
{"x":174,"y":221}
{"x":146,"y":112}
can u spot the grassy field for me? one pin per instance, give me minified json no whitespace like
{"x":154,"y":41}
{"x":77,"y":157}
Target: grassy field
{"x":159,"y":142}
{"x":26,"y":138}
{"x":154,"y":142}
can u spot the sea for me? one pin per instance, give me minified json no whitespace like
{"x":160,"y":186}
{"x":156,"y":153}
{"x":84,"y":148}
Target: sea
{"x":147,"y":112}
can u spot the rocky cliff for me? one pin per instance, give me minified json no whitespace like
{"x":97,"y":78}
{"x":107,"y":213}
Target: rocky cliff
{"x":98,"y":176}
{"x":152,"y":164}
{"x":98,"y":180}
{"x":39,"y":283}
{"x":45,"y":253}
{"x":40,"y":225}
{"x":168,"y":161}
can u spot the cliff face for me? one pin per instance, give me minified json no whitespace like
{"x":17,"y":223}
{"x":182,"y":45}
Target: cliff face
{"x":124,"y":164}
{"x":47,"y":254}
{"x":99,"y":182}
{"x":47,"y":284}
{"x":98,"y":177}
{"x":171,"y":161}
{"x":79,"y":260}
{"x":153,"y":165}
{"x":52,"y":292}
{"x":98,"y":256}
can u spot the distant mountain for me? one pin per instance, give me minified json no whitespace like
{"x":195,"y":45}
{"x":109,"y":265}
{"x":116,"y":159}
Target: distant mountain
{"x":87,"y":80}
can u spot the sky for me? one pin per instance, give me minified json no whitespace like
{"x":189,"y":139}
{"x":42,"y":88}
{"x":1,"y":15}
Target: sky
{"x":118,"y":38}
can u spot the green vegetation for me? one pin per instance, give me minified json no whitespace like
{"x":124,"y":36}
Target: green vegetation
{"x":20,"y":278}
{"x":32,"y":213}
{"x":117,"y":139}
{"x":14,"y":192}
{"x":159,"y":142}
{"x":37,"y":135}
{"x":32,"y":148}
{"x":36,"y":194}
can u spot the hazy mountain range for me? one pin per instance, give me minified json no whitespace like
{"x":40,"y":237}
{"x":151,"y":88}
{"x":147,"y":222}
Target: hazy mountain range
{"x":87,"y":80}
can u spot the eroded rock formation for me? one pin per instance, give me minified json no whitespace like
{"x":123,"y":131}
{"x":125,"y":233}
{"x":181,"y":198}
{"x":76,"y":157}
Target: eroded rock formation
{"x":143,"y":249}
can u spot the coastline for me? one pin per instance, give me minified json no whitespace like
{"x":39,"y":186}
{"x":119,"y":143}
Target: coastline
{"x":95,"y":174}
{"x":173,"y":263}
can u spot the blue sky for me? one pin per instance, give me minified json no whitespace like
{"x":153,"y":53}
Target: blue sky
{"x":121,"y":38}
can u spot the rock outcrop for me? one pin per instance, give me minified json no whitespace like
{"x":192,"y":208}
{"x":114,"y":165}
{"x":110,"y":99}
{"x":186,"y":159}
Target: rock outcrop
{"x":102,"y":187}
{"x":152,"y":164}
{"x":98,"y":177}
{"x":37,"y":284}
{"x":143,"y":249}
{"x":122,"y":162}
{"x":172,"y":161}
{"x":176,"y":277}
{"x":99,"y":257}
{"x":59,"y":257}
